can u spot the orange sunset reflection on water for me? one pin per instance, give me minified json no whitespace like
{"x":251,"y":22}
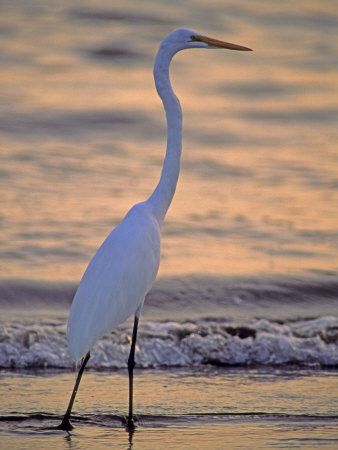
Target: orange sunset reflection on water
{"x":84,"y":139}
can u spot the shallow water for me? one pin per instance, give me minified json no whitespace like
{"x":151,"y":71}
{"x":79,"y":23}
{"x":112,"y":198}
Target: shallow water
{"x":226,"y":364}
{"x":210,"y":408}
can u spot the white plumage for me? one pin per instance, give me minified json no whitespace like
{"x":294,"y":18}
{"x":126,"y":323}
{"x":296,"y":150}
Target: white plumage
{"x":116,"y":280}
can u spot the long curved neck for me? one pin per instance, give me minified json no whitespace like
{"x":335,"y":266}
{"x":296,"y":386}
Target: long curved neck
{"x":165,"y":190}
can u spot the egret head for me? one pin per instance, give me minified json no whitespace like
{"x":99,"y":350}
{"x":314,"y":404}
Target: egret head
{"x":183,"y":38}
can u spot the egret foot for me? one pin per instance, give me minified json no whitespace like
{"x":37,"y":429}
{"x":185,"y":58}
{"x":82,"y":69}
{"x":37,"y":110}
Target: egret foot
{"x":65,"y":425}
{"x":131,"y":424}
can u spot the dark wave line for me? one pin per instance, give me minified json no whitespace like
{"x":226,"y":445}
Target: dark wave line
{"x":185,"y":292}
{"x":150,"y":419}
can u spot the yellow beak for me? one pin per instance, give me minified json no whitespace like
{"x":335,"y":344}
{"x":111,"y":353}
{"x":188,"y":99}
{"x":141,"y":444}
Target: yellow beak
{"x":219,"y":44}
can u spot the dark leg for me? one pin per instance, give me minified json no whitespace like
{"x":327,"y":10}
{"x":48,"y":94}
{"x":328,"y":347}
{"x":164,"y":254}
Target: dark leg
{"x":65,"y":424}
{"x":131,"y":365}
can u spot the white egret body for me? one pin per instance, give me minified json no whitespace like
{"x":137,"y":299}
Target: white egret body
{"x":116,"y":280}
{"x":122,"y":271}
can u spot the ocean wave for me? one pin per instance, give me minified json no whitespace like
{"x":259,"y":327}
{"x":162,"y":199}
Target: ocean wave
{"x":171,"y":344}
{"x":249,"y":296}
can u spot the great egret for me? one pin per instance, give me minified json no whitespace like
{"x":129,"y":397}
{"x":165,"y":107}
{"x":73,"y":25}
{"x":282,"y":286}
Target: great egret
{"x":122,"y":271}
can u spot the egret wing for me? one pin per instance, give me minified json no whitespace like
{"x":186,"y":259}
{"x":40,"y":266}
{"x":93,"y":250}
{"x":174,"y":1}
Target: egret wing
{"x":116,"y":280}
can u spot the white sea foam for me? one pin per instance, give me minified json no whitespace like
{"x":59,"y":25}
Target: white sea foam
{"x":251,"y":342}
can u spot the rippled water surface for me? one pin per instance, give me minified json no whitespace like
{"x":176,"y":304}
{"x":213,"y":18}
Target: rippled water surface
{"x":212,"y":408}
{"x":83,"y":134}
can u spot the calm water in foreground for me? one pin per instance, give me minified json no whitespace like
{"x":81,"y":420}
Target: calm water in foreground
{"x":209,"y":408}
{"x":244,"y":355}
